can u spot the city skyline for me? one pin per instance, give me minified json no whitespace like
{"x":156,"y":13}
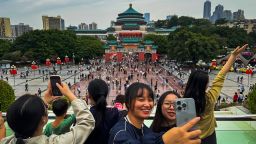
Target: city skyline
{"x":102,"y":12}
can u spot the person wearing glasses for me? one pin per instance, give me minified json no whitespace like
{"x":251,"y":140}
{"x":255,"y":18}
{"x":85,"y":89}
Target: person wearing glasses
{"x":165,"y":116}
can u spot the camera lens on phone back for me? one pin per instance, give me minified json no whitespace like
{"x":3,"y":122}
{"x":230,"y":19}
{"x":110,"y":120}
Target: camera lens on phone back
{"x":184,"y":105}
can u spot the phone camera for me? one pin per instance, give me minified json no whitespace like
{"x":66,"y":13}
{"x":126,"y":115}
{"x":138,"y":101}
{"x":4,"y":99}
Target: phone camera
{"x":178,"y":103}
{"x":184,"y":105}
{"x":179,"y":108}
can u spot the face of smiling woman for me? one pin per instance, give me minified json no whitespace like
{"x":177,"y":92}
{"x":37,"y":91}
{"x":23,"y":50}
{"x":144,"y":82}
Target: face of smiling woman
{"x":142,"y":105}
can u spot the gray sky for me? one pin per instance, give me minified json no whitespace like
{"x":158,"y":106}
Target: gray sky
{"x":103,"y":11}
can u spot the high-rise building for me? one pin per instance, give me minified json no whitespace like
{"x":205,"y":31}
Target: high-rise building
{"x":83,"y":26}
{"x":93,"y":26}
{"x":227,"y":14}
{"x":147,"y":17}
{"x":207,"y":10}
{"x":218,"y":13}
{"x":20,"y":29}
{"x":53,"y":23}
{"x":239,"y":15}
{"x":5,"y":27}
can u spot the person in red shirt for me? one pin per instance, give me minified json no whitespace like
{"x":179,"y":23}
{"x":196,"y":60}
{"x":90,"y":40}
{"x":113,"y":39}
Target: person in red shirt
{"x":235,"y":97}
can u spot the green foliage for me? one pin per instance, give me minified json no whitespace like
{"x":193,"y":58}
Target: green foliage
{"x":160,"y":41}
{"x":40,"y":45}
{"x":221,"y":21}
{"x":4,"y":47}
{"x":252,"y":100}
{"x":7,"y":96}
{"x":14,"y":56}
{"x":186,"y":45}
{"x":111,"y":37}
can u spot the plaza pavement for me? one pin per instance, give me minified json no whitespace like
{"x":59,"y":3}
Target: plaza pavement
{"x":36,"y":81}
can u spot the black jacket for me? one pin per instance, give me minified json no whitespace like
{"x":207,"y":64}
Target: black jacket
{"x":125,"y":133}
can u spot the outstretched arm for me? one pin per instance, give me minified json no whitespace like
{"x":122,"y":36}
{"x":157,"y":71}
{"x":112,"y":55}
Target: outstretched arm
{"x":232,"y":58}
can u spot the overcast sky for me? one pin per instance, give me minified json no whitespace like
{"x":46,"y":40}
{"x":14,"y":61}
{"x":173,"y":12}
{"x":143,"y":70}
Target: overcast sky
{"x":103,"y":11}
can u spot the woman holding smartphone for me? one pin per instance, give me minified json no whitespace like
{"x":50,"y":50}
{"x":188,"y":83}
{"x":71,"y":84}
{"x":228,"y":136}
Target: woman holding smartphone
{"x":28,"y":115}
{"x":139,"y":101}
{"x":205,"y":101}
{"x":165,"y":116}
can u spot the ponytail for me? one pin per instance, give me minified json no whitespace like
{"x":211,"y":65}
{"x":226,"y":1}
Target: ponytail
{"x":101,"y":105}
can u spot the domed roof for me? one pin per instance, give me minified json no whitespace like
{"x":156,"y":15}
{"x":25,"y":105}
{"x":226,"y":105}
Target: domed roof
{"x":130,"y":10}
{"x":130,"y":16}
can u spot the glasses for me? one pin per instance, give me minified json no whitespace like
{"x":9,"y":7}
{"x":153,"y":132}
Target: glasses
{"x":168,"y":104}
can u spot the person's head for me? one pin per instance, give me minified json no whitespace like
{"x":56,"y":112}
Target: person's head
{"x":196,"y":87}
{"x":139,"y":100}
{"x":60,"y":107}
{"x":98,"y":92}
{"x":165,"y":111}
{"x":27,"y":115}
{"x":235,"y":93}
{"x":120,"y":99}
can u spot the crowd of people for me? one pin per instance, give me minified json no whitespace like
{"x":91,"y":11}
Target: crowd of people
{"x":123,"y":123}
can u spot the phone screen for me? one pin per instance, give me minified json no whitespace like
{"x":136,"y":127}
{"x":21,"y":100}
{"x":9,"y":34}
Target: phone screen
{"x":55,"y":90}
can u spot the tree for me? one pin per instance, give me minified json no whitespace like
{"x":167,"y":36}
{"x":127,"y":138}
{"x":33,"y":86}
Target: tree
{"x":172,"y":22}
{"x":252,"y":100}
{"x":188,"y":46}
{"x":111,"y":37}
{"x":221,"y":21}
{"x":160,"y":41}
{"x":7,"y":96}
{"x":185,"y":21}
{"x":4,"y":47}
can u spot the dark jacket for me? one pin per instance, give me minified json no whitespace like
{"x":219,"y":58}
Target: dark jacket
{"x":100,"y":134}
{"x":125,"y":133}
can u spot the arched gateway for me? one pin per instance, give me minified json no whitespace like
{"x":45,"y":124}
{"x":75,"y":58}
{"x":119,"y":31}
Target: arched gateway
{"x":130,"y":28}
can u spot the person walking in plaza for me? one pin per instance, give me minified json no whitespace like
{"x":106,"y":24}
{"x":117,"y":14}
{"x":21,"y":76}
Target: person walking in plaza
{"x":139,"y":100}
{"x":105,"y":118}
{"x":28,"y":114}
{"x":205,"y":101}
{"x":39,"y":92}
{"x":165,"y":116}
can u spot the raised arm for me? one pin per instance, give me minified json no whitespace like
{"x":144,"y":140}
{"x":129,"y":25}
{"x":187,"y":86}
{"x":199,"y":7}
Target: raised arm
{"x":2,"y":127}
{"x":232,"y":59}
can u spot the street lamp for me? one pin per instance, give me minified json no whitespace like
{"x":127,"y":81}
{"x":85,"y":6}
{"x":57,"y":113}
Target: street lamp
{"x":34,"y":67}
{"x":249,"y":72}
{"x":73,"y":58}
{"x":13,"y":72}
{"x":59,"y":62}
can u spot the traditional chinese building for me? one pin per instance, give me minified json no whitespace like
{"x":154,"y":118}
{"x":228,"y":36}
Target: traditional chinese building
{"x":130,"y":28}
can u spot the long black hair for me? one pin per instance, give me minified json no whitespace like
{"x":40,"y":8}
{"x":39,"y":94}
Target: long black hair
{"x":132,"y":92}
{"x":24,"y":116}
{"x":196,"y":87}
{"x":98,"y":91}
{"x":159,"y":117}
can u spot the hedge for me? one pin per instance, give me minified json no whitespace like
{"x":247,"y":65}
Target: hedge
{"x":7,"y":96}
{"x":252,"y":100}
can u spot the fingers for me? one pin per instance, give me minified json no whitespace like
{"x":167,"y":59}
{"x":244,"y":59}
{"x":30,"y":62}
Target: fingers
{"x":195,"y":141}
{"x":195,"y":134}
{"x":244,"y":47}
{"x":191,"y":123}
{"x":49,"y":85}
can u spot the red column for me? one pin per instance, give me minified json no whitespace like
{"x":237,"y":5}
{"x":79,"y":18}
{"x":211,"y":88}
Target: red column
{"x":154,"y":57}
{"x":141,"y":56}
{"x":107,"y":57}
{"x":119,"y":56}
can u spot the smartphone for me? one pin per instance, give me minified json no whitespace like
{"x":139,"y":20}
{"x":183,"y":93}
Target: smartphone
{"x":185,"y":111}
{"x":55,"y":90}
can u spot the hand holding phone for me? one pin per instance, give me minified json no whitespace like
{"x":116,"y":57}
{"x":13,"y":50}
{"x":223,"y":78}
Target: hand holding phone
{"x":55,"y":90}
{"x":185,"y":111}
